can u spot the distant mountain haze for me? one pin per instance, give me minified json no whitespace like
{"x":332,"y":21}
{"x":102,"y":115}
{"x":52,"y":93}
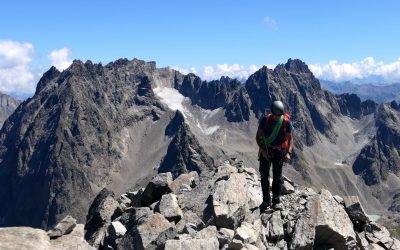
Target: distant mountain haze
{"x":93,"y":126}
{"x":379,"y":93}
{"x":7,"y":106}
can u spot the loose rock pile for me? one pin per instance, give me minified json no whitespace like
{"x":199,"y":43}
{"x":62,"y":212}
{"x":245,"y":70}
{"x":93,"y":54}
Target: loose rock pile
{"x":219,"y":210}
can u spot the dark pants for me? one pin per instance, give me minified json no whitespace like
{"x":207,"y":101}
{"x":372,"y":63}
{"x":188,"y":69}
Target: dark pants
{"x":276,"y":158}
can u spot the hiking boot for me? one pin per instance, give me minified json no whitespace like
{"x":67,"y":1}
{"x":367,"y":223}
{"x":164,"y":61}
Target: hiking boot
{"x":277,"y":206}
{"x":264,"y":206}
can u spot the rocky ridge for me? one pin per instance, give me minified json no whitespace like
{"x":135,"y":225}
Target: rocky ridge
{"x":219,"y":210}
{"x":7,"y":106}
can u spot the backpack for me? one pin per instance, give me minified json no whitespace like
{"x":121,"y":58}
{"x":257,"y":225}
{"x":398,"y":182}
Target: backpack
{"x":286,"y":118}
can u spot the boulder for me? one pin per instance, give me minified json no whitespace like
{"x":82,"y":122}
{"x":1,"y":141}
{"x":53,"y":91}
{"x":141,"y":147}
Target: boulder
{"x":153,"y":231}
{"x":23,"y":238}
{"x":276,"y":231}
{"x":287,"y":188}
{"x":190,"y":229}
{"x":189,"y":179}
{"x":158,"y":186}
{"x":246,"y":234}
{"x":123,"y":199}
{"x":169,"y":208}
{"x":73,"y":240}
{"x":356,"y":211}
{"x":135,"y":197}
{"x":229,"y":200}
{"x":65,"y":226}
{"x":379,"y":235}
{"x":324,"y":222}
{"x":192,"y":244}
{"x":189,"y":217}
{"x":115,"y":231}
{"x":375,"y":246}
{"x":99,"y":217}
{"x":209,"y":232}
{"x":224,"y":236}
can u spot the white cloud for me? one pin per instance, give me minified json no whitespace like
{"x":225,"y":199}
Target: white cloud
{"x":270,"y":22}
{"x":61,"y":58}
{"x":209,"y":72}
{"x":366,"y":69}
{"x":15,"y":73}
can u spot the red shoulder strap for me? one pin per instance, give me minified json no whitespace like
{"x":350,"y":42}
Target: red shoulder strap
{"x":285,"y":121}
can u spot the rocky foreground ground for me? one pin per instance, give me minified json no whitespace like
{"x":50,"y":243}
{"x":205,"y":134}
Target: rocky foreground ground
{"x":216,"y":210}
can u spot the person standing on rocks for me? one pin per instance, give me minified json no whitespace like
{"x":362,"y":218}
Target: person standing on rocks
{"x":275,"y":140}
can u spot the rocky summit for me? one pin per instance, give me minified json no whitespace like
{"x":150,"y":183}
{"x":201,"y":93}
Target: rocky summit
{"x":94,"y":127}
{"x":220,"y":210}
{"x":217,"y":210}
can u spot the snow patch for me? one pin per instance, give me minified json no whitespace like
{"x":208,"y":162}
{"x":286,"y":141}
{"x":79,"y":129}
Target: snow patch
{"x":172,"y":98}
{"x":339,"y":164}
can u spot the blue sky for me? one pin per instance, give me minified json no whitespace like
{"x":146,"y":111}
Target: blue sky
{"x":192,"y":35}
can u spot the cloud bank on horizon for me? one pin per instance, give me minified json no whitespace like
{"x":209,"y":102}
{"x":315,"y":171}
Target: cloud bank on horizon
{"x":18,"y":75}
{"x":18,"y":72}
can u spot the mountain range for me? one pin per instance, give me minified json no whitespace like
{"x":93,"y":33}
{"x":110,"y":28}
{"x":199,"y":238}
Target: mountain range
{"x":93,"y":126}
{"x":379,"y":93}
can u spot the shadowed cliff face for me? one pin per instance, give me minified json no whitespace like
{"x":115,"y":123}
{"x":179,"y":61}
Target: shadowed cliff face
{"x":380,"y":157}
{"x":93,"y":126}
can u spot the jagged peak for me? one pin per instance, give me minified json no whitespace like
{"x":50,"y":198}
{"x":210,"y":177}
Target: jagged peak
{"x":297,"y":66}
{"x":52,"y":73}
{"x":177,"y":121}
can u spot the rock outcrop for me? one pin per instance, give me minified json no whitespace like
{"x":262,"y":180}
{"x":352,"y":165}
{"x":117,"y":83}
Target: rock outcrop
{"x":26,"y":238}
{"x":222,"y":213}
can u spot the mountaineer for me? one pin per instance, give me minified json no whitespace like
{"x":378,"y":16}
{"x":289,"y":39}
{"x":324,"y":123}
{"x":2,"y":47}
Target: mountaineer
{"x":275,"y":140}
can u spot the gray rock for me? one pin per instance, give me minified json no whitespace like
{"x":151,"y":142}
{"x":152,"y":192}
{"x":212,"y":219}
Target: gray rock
{"x":324,"y":222}
{"x":339,"y":199}
{"x":276,"y":231}
{"x":246,"y":234}
{"x":229,"y":200}
{"x":65,"y":226}
{"x":189,"y":179}
{"x":209,"y":232}
{"x":153,"y":231}
{"x":26,"y":238}
{"x":192,"y":244}
{"x":356,"y":211}
{"x":236,"y":244}
{"x":23,"y":238}
{"x":362,"y":242}
{"x":380,"y":235}
{"x":189,"y":217}
{"x":139,"y":215}
{"x":135,"y":197}
{"x":159,"y":185}
{"x":190,"y":229}
{"x":123,"y":199}
{"x":99,"y":217}
{"x":184,"y":237}
{"x":224,"y":236}
{"x":287,"y":188}
{"x":169,"y":207}
{"x":115,"y":231}
{"x":250,"y":247}
{"x":375,"y":246}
